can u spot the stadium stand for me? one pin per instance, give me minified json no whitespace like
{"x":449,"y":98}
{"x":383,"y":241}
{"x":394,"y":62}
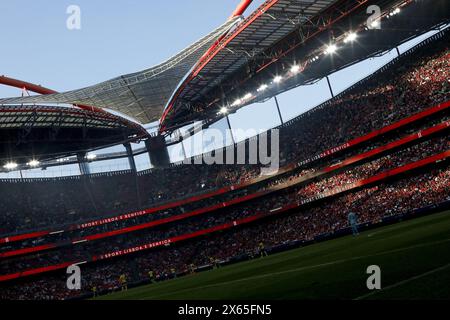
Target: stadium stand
{"x":369,"y":150}
{"x":352,"y":114}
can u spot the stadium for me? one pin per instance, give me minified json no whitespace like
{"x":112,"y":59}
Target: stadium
{"x":158,"y":184}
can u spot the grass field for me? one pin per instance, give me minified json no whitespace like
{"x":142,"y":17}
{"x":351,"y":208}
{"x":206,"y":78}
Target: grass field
{"x":414,"y":258}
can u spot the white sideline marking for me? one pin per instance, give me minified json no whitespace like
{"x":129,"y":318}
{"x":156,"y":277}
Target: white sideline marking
{"x":395,"y":285}
{"x":302,"y":268}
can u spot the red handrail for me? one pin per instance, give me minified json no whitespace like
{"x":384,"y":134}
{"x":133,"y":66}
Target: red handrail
{"x":349,"y":161}
{"x":229,"y":225}
{"x":406,"y":121}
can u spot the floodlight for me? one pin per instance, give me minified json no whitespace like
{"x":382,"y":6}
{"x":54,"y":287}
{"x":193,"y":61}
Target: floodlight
{"x":248,"y":96}
{"x":330,"y":49}
{"x":350,"y":37}
{"x":91,"y":156}
{"x":33,"y":163}
{"x":10,"y":166}
{"x":295,"y":69}
{"x":263,"y":88}
{"x":277,"y":79}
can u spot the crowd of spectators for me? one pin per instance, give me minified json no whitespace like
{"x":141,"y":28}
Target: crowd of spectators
{"x":344,"y":177}
{"x":303,"y":190}
{"x":415,"y":82}
{"x":371,"y":205}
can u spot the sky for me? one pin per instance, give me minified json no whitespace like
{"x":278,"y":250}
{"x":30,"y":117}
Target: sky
{"x":116,"y":37}
{"x":123,"y":36}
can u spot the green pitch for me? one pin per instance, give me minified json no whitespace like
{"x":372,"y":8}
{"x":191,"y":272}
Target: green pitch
{"x":414,"y":258}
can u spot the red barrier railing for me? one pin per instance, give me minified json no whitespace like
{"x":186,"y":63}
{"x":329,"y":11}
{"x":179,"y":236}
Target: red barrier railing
{"x":302,"y":179}
{"x":260,"y":215}
{"x":229,"y":225}
{"x":350,"y":144}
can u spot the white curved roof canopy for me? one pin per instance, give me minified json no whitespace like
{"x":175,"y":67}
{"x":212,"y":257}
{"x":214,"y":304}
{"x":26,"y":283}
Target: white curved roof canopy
{"x":142,"y":95}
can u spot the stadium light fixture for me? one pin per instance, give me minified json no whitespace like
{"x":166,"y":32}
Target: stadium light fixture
{"x":224,"y":110}
{"x":91,"y":156}
{"x":248,"y":96}
{"x":295,"y":69}
{"x":332,"y":48}
{"x":350,"y":37}
{"x":277,"y":79}
{"x":262,"y":88}
{"x":33,"y":163}
{"x":10,"y":166}
{"x":236,"y":103}
{"x":394,"y":12}
{"x":375,"y":24}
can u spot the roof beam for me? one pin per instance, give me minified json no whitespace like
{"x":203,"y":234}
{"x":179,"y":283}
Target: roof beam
{"x":241,"y":8}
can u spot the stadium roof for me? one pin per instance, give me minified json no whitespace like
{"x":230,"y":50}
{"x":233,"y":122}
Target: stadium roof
{"x":272,"y":21}
{"x":46,"y":132}
{"x":141,"y":95}
{"x":236,"y":57}
{"x":240,"y":64}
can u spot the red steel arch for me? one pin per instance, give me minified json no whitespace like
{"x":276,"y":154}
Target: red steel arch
{"x":39,"y":89}
{"x":241,"y":8}
{"x":25,"y":85}
{"x":239,"y":11}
